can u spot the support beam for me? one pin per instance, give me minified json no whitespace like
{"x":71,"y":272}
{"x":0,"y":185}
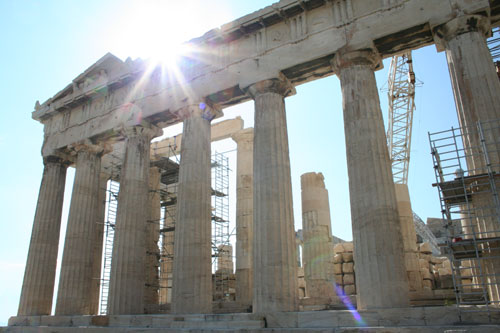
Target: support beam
{"x":40,"y":272}
{"x":381,"y":280}
{"x":316,"y":228}
{"x":274,"y":257}
{"x":192,"y":274}
{"x":244,"y":216}
{"x":126,"y":292}
{"x":151,"y":291}
{"x":74,"y":296}
{"x":98,"y":244}
{"x":477,"y":97}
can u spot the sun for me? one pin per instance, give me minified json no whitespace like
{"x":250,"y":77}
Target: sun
{"x":159,"y":29}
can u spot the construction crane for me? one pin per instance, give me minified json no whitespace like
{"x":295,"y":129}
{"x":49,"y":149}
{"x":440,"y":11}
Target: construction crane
{"x":401,"y":93}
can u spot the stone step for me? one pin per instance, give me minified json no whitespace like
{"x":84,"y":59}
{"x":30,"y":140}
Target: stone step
{"x":404,"y":329}
{"x":249,"y":324}
{"x":426,"y":319}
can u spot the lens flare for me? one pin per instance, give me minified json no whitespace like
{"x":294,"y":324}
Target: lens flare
{"x":347,"y":302}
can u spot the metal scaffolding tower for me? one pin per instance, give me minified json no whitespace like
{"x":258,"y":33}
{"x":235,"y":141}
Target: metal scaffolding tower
{"x":168,"y":162}
{"x":494,"y":44}
{"x":467,"y":180}
{"x":113,"y":188}
{"x":220,"y":223}
{"x":401,"y":107}
{"x":168,"y":195}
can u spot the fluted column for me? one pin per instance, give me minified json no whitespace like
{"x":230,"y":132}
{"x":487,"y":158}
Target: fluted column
{"x":316,"y":228}
{"x":274,"y":256}
{"x":126,"y":292}
{"x":381,"y":280}
{"x":192,"y":273}
{"x":244,"y":215}
{"x":474,"y":80}
{"x":75,"y":280}
{"x":477,"y":97}
{"x":409,"y":235}
{"x":98,"y":244}
{"x":151,"y":296}
{"x":39,"y":275}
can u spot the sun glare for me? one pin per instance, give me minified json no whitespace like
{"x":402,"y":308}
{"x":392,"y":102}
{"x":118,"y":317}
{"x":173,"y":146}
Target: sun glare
{"x":159,"y":29}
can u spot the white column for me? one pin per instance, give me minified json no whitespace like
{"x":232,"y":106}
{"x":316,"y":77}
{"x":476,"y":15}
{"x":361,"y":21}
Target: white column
{"x":75,"y":280}
{"x":126,"y":292}
{"x":274,"y":256}
{"x":244,"y":216}
{"x":316,"y":228}
{"x":192,"y":273}
{"x":409,"y":237}
{"x":40,"y":272}
{"x":151,"y":290}
{"x":98,"y":244}
{"x":477,"y":97}
{"x":381,"y":280}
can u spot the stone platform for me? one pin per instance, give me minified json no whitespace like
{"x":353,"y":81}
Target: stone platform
{"x":418,"y":319}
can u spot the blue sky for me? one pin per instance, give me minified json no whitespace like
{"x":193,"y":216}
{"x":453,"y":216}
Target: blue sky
{"x":45,"y":44}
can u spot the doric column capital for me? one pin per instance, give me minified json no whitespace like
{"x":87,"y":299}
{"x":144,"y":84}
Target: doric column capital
{"x":90,"y":147}
{"x":245,"y":136}
{"x":279,"y":86}
{"x":344,"y":59}
{"x":205,"y":110}
{"x":54,"y":159}
{"x":149,"y":131}
{"x":458,"y":26}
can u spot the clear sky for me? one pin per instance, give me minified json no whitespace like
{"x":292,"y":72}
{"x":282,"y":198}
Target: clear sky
{"x":46,"y":44}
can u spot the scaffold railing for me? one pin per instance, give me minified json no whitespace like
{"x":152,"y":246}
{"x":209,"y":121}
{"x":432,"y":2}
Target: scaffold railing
{"x":220,"y":224}
{"x":168,"y":195}
{"x":169,"y":168}
{"x":113,"y":188}
{"x":467,"y":169}
{"x":494,"y":44}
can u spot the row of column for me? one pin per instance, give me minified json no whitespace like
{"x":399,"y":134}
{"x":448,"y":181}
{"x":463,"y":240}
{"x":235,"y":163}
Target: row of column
{"x":78,"y":291}
{"x":379,"y":251}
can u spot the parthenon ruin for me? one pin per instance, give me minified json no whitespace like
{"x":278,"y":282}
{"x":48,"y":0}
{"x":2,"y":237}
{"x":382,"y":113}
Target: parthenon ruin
{"x":108,"y":116}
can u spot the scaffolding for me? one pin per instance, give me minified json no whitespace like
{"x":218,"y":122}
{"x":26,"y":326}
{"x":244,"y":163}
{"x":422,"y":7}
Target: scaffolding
{"x":494,"y":44}
{"x":220,"y":227}
{"x":168,"y":194}
{"x":167,"y":160}
{"x":112,"y":190}
{"x":467,"y":166}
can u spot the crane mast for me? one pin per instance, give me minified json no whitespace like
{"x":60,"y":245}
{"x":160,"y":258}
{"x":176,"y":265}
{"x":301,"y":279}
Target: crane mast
{"x":401,"y":93}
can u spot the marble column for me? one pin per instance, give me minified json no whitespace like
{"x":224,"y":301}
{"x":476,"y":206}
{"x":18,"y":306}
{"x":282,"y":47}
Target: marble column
{"x":381,"y":280}
{"x":192,"y":271}
{"x":75,"y":280}
{"x":126,"y":291}
{"x":409,"y":235}
{"x":39,"y":275}
{"x":274,"y":256}
{"x":477,"y":97}
{"x":316,"y":228}
{"x":98,"y":244}
{"x":244,"y":215}
{"x":151,"y":297}
{"x":474,"y":80}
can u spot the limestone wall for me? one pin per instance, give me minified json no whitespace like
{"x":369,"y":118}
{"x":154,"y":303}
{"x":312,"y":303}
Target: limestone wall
{"x":436,"y":271}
